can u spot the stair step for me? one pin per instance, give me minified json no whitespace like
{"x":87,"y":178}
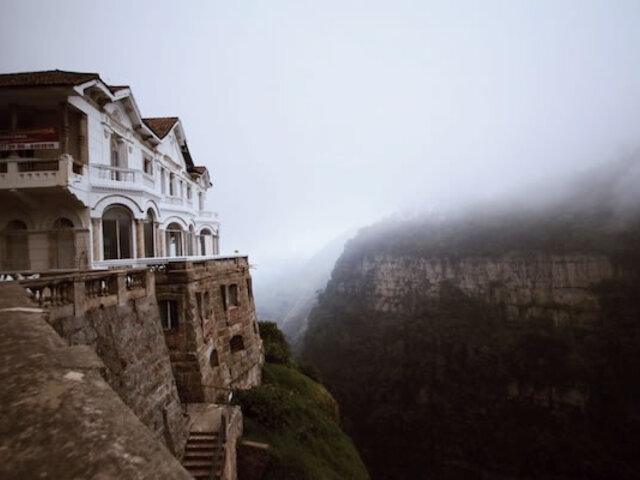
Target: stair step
{"x":194,"y":463}
{"x":198,"y":454}
{"x":199,"y":472}
{"x":202,"y":434}
{"x":201,"y":446}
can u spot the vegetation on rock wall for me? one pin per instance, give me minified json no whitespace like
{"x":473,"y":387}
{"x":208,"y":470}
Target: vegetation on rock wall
{"x":450,"y":387}
{"x":458,"y":391}
{"x":298,"y":418}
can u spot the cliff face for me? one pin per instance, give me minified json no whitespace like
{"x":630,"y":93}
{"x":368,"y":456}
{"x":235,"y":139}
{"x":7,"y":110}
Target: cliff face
{"x":495,"y":347}
{"x":525,"y":284}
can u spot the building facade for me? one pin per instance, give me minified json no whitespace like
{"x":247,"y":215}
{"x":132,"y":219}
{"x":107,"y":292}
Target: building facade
{"x":86,"y":181}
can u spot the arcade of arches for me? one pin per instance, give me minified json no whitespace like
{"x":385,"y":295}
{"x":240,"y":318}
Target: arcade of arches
{"x":23,"y":248}
{"x":125,"y":237}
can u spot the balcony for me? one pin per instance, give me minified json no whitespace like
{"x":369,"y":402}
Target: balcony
{"x":16,"y":173}
{"x":105,"y":175}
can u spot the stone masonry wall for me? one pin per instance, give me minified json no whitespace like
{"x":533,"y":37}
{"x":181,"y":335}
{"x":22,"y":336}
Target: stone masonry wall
{"x":129,"y":340}
{"x":526,"y":284}
{"x":216,"y":346}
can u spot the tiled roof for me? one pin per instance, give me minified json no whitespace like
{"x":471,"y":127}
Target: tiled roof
{"x":198,"y":169}
{"x":46,"y":78}
{"x":116,"y":88}
{"x":160,"y":125}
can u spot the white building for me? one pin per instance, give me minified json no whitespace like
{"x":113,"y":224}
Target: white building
{"x":85,"y":180}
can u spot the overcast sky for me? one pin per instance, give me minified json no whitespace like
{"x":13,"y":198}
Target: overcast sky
{"x":317,"y":117}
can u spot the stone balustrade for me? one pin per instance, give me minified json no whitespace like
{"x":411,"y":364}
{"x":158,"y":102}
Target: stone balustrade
{"x":78,"y":293}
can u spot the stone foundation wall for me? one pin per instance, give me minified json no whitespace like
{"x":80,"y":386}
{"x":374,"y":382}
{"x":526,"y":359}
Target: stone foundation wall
{"x":216,"y":346}
{"x":129,"y":340}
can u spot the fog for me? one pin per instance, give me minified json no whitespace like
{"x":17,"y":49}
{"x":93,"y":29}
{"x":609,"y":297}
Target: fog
{"x":315,"y":118}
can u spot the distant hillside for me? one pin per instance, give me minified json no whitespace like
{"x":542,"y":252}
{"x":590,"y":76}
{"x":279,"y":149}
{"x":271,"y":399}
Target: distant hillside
{"x":288,"y":296}
{"x":499,"y":341}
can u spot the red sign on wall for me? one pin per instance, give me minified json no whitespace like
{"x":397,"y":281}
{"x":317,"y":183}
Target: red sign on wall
{"x":43,"y":138}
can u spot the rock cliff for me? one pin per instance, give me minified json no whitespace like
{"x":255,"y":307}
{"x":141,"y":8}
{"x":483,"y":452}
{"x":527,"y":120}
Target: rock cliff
{"x":525,"y":284}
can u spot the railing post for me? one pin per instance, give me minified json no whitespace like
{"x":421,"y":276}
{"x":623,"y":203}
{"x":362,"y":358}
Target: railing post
{"x":122,"y":287}
{"x":150,"y":280}
{"x":79,"y":296}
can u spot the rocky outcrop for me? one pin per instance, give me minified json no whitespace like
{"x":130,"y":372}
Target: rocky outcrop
{"x":528,"y":284}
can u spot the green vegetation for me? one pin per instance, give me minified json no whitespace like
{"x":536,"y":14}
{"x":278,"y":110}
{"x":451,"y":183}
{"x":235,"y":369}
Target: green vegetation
{"x":298,"y":418}
{"x":453,"y":389}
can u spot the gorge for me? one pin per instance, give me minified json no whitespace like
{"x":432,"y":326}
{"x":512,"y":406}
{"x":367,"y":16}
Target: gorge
{"x":490,"y":343}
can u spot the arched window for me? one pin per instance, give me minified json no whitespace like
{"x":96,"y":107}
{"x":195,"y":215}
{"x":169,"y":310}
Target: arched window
{"x":174,"y":240}
{"x":213,"y":358}
{"x":206,"y":242}
{"x":63,"y":248}
{"x":190,"y":239}
{"x":62,"y":223}
{"x":237,"y":344}
{"x":148,"y":227}
{"x":17,"y":245}
{"x":116,"y":233}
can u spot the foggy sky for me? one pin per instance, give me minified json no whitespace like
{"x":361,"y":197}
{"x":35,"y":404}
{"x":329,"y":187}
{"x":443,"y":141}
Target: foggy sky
{"x":317,"y":117}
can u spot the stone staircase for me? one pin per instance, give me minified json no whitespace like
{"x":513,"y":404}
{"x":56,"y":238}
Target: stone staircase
{"x":204,"y":456}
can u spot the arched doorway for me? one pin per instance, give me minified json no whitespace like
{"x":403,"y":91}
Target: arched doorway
{"x":63,"y":243}
{"x":116,"y":233}
{"x":17,"y":245}
{"x":174,"y":240}
{"x":148,"y":227}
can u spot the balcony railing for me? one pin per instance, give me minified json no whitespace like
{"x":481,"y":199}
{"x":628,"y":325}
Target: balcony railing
{"x":18,"y":173}
{"x":107,"y":173}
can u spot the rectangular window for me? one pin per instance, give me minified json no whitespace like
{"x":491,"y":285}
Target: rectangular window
{"x":169,"y":314}
{"x":223,"y":294}
{"x":199,"y":305}
{"x":233,"y":295}
{"x":148,"y":166}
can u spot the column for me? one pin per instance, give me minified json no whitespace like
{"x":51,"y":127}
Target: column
{"x":96,"y":235}
{"x":160,"y":243}
{"x":139,"y":239}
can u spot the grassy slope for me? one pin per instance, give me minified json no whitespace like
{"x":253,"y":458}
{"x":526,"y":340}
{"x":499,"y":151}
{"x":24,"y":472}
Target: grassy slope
{"x":297,"y":417}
